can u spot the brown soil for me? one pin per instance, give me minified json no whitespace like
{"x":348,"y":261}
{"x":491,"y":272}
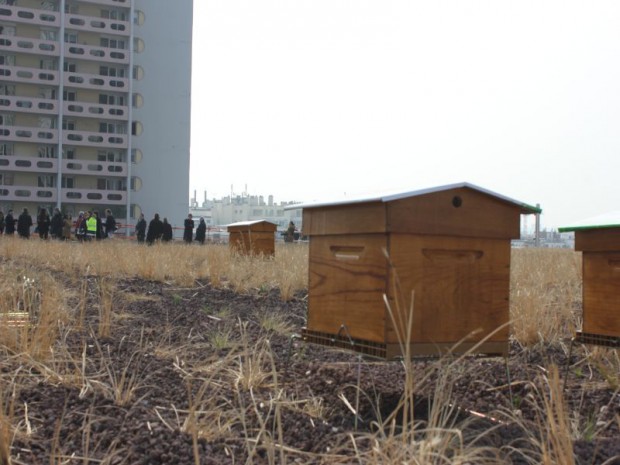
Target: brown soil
{"x":164,"y":342}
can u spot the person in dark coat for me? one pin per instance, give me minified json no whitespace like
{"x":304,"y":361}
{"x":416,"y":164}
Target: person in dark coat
{"x":156,"y":228}
{"x":56,"y":225}
{"x":9,"y":223}
{"x":24,"y":223}
{"x":110,"y":224}
{"x":188,"y":229}
{"x":43,"y":223}
{"x":141,"y":228}
{"x":201,"y":231}
{"x":167,"y":231}
{"x":1,"y":222}
{"x":99,"y":234}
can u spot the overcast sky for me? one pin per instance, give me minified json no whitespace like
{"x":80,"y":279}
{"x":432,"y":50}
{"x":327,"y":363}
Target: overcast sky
{"x":315,"y":99}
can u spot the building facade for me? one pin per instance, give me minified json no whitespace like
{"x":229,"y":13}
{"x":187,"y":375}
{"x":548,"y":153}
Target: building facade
{"x":95,"y":106}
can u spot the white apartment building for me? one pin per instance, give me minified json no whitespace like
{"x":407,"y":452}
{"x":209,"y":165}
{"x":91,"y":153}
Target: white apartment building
{"x":95,"y":106}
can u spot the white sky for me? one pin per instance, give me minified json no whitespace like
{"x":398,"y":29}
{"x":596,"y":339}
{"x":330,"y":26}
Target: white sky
{"x":312,"y":99}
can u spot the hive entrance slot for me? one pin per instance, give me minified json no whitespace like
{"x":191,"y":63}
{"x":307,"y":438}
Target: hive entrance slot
{"x":347,"y":252}
{"x":468,"y":256}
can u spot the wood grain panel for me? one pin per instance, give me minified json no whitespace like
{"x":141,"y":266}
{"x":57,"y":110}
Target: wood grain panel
{"x":598,"y":240}
{"x":252,"y":242}
{"x":455,"y":212}
{"x":601,"y":293}
{"x":347,"y":278}
{"x":363,"y":218}
{"x":460,"y":285}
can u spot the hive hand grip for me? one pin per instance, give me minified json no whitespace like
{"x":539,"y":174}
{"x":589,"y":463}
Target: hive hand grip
{"x":346,"y":252}
{"x":467,"y":256}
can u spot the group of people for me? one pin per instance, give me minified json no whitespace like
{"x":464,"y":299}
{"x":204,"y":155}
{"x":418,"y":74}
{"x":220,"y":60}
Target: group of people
{"x":159,"y":230}
{"x":89,"y":226}
{"x":58,"y":226}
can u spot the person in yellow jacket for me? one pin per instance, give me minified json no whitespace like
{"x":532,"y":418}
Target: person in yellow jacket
{"x":91,"y":226}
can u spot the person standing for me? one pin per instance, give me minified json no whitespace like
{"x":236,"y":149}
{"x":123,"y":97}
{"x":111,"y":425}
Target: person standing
{"x":43,"y":223}
{"x":166,"y":235}
{"x":91,"y":225}
{"x":1,"y":222}
{"x":110,"y":224}
{"x":188,"y":229}
{"x":290,"y":232}
{"x":80,"y":227}
{"x":9,"y":223}
{"x":56,"y":224}
{"x":156,"y":228}
{"x":24,"y":223}
{"x":141,"y":228}
{"x":201,"y":231}
{"x":66,"y":228}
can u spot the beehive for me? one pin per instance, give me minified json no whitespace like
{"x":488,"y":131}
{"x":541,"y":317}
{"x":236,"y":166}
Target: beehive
{"x":449,"y":245}
{"x":252,"y":237}
{"x":598,"y":239}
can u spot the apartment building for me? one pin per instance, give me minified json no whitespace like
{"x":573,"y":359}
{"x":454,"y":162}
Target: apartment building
{"x":95,"y":106}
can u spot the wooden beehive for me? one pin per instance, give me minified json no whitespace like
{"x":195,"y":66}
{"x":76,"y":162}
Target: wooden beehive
{"x":598,"y":239}
{"x":448,"y":245}
{"x":252,"y":237}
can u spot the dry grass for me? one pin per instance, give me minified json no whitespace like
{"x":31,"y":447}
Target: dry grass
{"x":545,"y":304}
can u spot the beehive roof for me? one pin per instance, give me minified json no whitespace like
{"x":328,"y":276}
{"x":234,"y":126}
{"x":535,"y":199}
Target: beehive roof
{"x":603,"y":221}
{"x":525,"y":208}
{"x":250,"y":223}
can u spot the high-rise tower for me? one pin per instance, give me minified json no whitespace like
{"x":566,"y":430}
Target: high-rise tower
{"x":95,"y":106}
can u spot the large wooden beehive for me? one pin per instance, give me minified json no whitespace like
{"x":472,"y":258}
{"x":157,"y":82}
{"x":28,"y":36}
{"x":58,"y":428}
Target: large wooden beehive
{"x":252,"y":237}
{"x":599,"y":241}
{"x":450,"y":245}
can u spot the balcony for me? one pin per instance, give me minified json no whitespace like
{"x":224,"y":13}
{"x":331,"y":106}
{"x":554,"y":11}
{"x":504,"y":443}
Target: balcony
{"x":99,"y":54}
{"x":95,"y":110}
{"x":21,"y":104}
{"x":97,"y":25}
{"x":18,"y":14}
{"x":72,"y":167}
{"x":50,"y":194}
{"x":28,"y":164}
{"x":93,"y":196}
{"x":119,"y":3}
{"x":95,"y":81}
{"x":95,"y":139}
{"x":15,"y":44}
{"x":28,"y":75}
{"x":28,"y":194}
{"x":28,"y":134}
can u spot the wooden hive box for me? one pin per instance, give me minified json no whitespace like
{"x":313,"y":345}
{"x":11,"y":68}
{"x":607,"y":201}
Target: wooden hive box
{"x":252,"y":237}
{"x":450,"y":245}
{"x":598,"y":239}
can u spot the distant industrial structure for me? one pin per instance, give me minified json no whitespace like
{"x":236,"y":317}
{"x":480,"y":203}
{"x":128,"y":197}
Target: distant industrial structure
{"x":244,"y":207}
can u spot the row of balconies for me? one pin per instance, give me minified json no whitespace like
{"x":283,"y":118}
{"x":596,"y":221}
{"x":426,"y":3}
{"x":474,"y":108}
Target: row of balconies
{"x":50,"y":194}
{"x":74,"y":80}
{"x":70,"y":137}
{"x":17,"y":14}
{"x":14,"y":44}
{"x":69,"y":167}
{"x":41,"y":106}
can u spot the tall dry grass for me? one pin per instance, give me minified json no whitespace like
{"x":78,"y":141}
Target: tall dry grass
{"x":545,"y":295}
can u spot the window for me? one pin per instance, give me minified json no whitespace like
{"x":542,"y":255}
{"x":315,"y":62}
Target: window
{"x":46,"y":181}
{"x":69,"y":153}
{"x":48,"y":35}
{"x":6,"y":149}
{"x":47,"y":151}
{"x":68,"y":182}
{"x":71,"y":37}
{"x":111,"y":184}
{"x":112,"y":71}
{"x":109,"y":99}
{"x":112,"y":43}
{"x":6,"y":179}
{"x":7,"y":60}
{"x":68,"y":125}
{"x":71,"y":9}
{"x":7,"y":119}
{"x":69,"y":95}
{"x":47,"y":93}
{"x":70,"y":67}
{"x":48,"y":64}
{"x":112,"y":128}
{"x":48,"y":5}
{"x":111,"y":156}
{"x":119,"y":15}
{"x":6,"y":89}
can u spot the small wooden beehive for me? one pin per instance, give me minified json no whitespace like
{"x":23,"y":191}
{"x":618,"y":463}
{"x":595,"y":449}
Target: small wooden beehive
{"x":450,"y":245}
{"x":598,"y":239}
{"x":252,"y":237}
